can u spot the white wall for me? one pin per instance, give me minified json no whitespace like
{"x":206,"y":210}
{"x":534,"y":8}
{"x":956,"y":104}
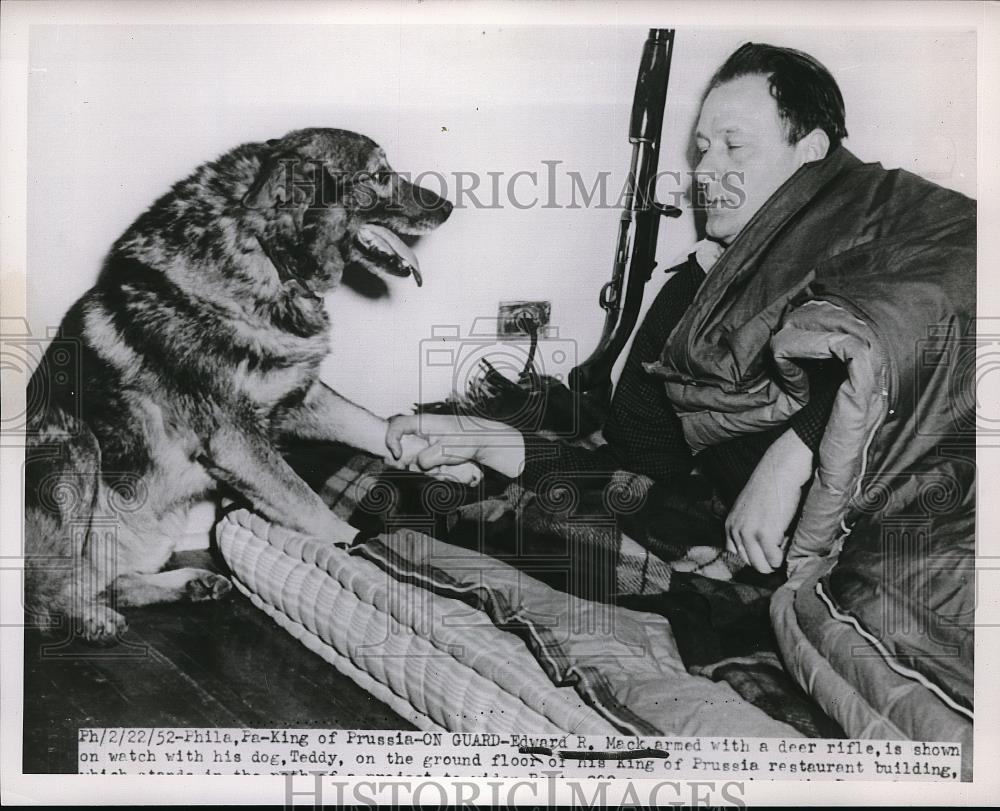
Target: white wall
{"x":116,"y":114}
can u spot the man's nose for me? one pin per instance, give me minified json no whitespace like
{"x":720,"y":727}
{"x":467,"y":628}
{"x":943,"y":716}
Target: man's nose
{"x":705,"y":184}
{"x":705,"y":173}
{"x":710,"y":163}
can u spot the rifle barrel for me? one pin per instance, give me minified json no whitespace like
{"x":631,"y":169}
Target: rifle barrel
{"x":635,"y":254}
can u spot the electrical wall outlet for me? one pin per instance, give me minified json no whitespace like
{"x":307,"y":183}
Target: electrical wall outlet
{"x":511,"y":319}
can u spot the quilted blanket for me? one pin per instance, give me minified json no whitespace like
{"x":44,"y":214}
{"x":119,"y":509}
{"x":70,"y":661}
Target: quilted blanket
{"x":500,"y":548}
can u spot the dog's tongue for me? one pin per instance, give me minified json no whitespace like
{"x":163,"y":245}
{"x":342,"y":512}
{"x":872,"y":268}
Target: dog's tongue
{"x":386,"y":241}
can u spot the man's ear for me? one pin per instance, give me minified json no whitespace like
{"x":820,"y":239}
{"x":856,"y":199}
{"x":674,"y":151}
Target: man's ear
{"x":812,"y":147}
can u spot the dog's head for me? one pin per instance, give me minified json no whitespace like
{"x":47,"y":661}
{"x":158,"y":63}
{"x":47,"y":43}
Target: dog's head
{"x":323,"y":198}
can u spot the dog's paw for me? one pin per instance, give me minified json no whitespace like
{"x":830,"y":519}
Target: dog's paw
{"x":207,"y":586}
{"x":101,"y":625}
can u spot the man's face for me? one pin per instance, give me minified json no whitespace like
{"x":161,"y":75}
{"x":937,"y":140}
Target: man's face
{"x":745,"y":153}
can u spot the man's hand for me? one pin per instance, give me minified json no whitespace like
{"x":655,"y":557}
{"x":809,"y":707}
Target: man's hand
{"x":758,"y":523}
{"x":405,"y":457}
{"x":404,"y":445}
{"x":449,"y":444}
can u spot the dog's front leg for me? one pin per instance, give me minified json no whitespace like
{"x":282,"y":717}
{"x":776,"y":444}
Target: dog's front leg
{"x":326,"y":416}
{"x":250,"y":465}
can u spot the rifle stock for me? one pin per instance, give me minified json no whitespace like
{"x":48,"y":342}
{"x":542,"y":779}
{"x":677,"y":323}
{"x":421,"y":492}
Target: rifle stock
{"x":635,"y":255}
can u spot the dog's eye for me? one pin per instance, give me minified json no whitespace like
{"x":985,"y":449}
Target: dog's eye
{"x":382,"y":177}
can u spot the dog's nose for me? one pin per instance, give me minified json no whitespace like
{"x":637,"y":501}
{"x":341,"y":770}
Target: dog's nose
{"x":447,"y":207}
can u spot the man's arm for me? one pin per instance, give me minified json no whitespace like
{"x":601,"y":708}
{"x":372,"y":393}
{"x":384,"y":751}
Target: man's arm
{"x":809,"y":423}
{"x":327,"y":416}
{"x":757,"y":525}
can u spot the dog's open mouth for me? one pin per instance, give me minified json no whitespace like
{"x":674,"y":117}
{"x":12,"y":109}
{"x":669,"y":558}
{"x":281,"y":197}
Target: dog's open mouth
{"x":385,"y":251}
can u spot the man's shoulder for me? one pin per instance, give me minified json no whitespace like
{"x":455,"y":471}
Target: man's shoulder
{"x":899,"y":189}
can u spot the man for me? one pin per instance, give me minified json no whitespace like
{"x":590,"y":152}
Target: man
{"x":821,"y":374}
{"x":768,"y":112}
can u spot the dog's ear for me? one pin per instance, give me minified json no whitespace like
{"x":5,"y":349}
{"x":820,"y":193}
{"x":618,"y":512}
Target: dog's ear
{"x":284,"y":176}
{"x":272,"y":184}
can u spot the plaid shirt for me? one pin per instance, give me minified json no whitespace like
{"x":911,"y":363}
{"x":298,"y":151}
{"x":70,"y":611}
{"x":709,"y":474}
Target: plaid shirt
{"x":643,"y":432}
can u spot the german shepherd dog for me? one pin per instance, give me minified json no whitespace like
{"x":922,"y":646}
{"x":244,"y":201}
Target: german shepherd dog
{"x":199,"y":350}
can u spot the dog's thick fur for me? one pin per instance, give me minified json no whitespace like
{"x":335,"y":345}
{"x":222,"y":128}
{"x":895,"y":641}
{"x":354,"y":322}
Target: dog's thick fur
{"x":198,"y":350}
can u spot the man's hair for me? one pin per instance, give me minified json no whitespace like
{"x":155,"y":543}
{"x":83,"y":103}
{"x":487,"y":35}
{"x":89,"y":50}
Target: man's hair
{"x":806,"y":94}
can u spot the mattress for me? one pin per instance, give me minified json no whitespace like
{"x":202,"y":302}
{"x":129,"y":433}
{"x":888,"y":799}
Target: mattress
{"x":388,"y":637}
{"x":456,"y":640}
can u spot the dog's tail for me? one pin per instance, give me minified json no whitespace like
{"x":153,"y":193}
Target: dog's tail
{"x":61,"y":481}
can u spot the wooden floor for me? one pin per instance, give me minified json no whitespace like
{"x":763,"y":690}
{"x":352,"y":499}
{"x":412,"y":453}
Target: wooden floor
{"x":210,"y":665}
